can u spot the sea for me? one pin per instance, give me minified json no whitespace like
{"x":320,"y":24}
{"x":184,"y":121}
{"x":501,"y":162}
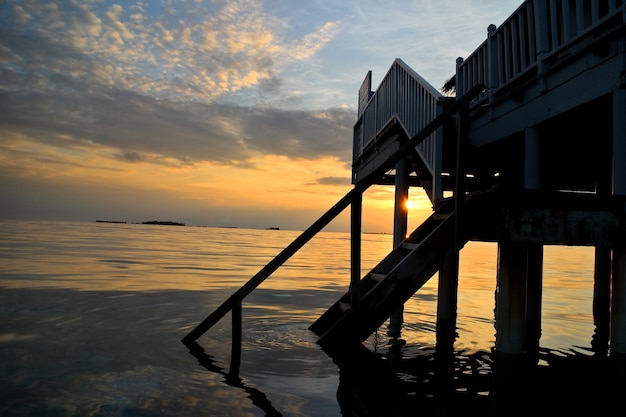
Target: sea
{"x":92,"y":315}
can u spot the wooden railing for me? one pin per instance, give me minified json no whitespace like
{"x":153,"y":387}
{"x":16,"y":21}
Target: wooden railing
{"x":403,"y":97}
{"x":537,"y":30}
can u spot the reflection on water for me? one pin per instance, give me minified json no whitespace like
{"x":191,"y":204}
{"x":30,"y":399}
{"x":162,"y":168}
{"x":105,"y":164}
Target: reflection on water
{"x":104,"y":256}
{"x":93,"y":313}
{"x":231,"y":377}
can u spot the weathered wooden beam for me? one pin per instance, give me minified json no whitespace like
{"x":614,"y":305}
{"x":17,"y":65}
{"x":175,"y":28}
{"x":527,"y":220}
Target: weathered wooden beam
{"x":549,"y":218}
{"x":563,"y":227}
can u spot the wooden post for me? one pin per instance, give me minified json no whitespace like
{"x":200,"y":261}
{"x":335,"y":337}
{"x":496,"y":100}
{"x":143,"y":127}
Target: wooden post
{"x":355,"y":257}
{"x":400,"y":226}
{"x":437,"y":190}
{"x":533,"y":300}
{"x":462,"y":146}
{"x":618,"y":268}
{"x":618,"y":302}
{"x":618,"y":320}
{"x":400,"y":214}
{"x":601,"y":300}
{"x":511,"y":298}
{"x":447,"y":294}
{"x":460,"y":77}
{"x":508,"y":371}
{"x":235,"y":354}
{"x":602,"y":274}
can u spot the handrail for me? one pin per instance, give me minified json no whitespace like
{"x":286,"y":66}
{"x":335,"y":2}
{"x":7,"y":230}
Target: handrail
{"x":536,"y":30}
{"x":402,"y":95}
{"x":234,"y":301}
{"x":272,"y":266}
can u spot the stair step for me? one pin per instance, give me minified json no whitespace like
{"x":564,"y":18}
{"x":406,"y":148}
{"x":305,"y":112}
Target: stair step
{"x":377,"y":277}
{"x":399,"y":275}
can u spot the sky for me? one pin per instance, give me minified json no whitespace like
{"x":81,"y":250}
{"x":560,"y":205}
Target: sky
{"x":234,"y":113}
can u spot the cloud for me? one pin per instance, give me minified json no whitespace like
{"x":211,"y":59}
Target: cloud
{"x":188,"y":132}
{"x":427,"y":34}
{"x":311,"y":43}
{"x":197,"y":51}
{"x":20,"y":15}
{"x":145,"y":81}
{"x":333,"y":181}
{"x":202,"y":97}
{"x":210,"y":81}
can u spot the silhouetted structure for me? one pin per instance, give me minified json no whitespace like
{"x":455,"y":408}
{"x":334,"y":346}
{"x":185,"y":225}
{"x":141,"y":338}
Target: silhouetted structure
{"x":530,"y":152}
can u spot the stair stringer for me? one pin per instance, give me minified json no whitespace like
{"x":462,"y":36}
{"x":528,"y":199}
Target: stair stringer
{"x":392,"y":282}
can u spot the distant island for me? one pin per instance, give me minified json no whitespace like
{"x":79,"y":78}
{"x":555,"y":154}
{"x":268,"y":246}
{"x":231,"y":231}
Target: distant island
{"x":173,"y":223}
{"x":164,"y":223}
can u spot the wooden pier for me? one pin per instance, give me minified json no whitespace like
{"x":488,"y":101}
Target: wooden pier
{"x":536,"y":157}
{"x":530,"y":152}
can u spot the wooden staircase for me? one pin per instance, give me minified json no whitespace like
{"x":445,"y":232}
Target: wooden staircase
{"x":392,"y":282}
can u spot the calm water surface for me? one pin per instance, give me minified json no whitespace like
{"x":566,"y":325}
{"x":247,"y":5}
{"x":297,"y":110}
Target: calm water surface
{"x":93,"y":313}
